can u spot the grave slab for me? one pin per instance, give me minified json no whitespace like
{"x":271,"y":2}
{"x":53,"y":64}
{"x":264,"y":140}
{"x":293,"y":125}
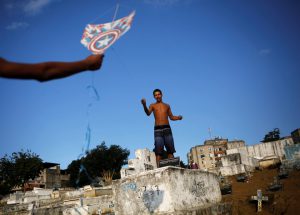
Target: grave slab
{"x":164,"y":191}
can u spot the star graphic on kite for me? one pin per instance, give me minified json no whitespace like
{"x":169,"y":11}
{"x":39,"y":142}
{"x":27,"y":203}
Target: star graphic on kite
{"x":104,"y":42}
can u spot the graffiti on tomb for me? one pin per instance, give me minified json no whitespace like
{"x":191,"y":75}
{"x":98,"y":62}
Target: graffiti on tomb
{"x":111,"y":204}
{"x":151,"y":195}
{"x":151,"y":190}
{"x":129,"y":186}
{"x":198,"y":188}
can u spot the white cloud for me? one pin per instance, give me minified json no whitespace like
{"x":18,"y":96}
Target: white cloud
{"x":28,"y":7}
{"x":32,"y":7}
{"x":17,"y":25}
{"x":264,"y":52}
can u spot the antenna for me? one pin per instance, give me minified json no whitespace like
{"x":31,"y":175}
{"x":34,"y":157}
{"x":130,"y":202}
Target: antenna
{"x":209,"y":131}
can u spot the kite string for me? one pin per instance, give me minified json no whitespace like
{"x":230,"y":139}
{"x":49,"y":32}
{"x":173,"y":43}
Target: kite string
{"x":91,"y":88}
{"x":109,"y":10}
{"x":124,"y":65}
{"x":116,"y":11}
{"x":94,"y":96}
{"x":98,"y":17}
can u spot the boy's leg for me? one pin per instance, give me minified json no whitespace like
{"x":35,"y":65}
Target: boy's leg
{"x":159,"y":148}
{"x":170,"y":155}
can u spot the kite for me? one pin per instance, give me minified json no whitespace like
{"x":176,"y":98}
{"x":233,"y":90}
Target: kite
{"x":99,"y":37}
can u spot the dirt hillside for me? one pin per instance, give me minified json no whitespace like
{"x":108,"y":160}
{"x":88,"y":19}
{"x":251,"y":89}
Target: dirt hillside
{"x":282,"y":202}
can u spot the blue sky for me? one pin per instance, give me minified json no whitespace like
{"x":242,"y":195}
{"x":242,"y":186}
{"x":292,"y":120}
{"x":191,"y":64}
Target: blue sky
{"x":232,"y":66}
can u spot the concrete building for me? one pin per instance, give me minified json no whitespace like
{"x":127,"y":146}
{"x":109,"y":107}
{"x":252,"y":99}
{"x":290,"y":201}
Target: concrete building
{"x":252,"y":155}
{"x":261,"y":150}
{"x":50,"y":177}
{"x":145,"y":160}
{"x":235,"y":144}
{"x":214,"y":155}
{"x":208,"y":156}
{"x":219,"y":147}
{"x":203,"y":155}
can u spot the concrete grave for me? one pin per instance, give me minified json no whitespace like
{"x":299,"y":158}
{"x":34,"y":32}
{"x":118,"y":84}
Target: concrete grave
{"x":275,"y":185}
{"x":15,"y":198}
{"x":37,"y":194}
{"x":74,"y":194}
{"x":98,"y":191}
{"x":231,"y":159}
{"x":103,"y":204}
{"x":241,"y":178}
{"x":232,"y":170}
{"x":145,"y":160}
{"x":165,"y":190}
{"x":283,"y":173}
{"x":225,"y":185}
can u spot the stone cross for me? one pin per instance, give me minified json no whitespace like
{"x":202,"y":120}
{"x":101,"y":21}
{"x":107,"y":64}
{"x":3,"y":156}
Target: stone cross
{"x":259,"y":198}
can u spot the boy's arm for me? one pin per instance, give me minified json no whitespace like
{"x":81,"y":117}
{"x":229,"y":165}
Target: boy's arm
{"x":147,"y":111}
{"x":48,"y":70}
{"x":172,"y":117}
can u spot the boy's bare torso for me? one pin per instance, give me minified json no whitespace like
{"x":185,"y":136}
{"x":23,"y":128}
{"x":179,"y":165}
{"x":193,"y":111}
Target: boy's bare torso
{"x":161,"y":113}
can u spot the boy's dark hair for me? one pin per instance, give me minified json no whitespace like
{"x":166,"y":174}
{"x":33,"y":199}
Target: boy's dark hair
{"x":157,"y":90}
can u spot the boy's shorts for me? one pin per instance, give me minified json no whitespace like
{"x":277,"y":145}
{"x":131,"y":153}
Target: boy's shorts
{"x":163,"y":138}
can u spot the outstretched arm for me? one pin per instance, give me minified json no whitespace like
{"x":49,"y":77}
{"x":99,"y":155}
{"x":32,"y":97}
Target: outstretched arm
{"x":147,"y":111}
{"x":172,"y":117}
{"x":48,"y":70}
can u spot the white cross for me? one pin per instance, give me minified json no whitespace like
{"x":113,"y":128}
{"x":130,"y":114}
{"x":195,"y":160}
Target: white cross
{"x":259,"y":199}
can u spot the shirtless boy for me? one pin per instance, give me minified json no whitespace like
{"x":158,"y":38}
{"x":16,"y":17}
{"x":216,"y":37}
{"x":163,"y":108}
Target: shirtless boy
{"x":162,"y":130}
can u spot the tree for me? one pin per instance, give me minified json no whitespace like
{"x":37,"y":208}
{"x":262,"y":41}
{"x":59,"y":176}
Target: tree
{"x":101,"y":161}
{"x":78,"y":174}
{"x":272,"y":136}
{"x":17,"y":169}
{"x":72,"y":169}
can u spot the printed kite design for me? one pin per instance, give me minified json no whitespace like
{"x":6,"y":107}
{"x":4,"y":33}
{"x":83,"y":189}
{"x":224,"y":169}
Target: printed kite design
{"x":97,"y":38}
